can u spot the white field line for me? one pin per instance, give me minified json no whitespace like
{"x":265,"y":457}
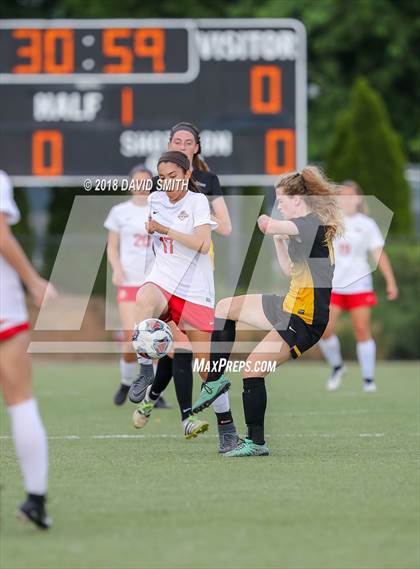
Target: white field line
{"x":174,"y":436}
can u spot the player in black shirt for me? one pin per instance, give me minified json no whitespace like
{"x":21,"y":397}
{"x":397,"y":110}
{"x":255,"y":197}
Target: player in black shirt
{"x":185,"y":137}
{"x":296,"y":321}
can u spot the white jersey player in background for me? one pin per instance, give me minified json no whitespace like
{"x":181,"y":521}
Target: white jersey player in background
{"x":130,"y":255}
{"x":180,"y":286}
{"x":353,"y":287}
{"x":15,"y":365}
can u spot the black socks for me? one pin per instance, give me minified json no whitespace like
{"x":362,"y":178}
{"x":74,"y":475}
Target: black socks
{"x":254,"y":398}
{"x":225,"y":332}
{"x":162,"y":378}
{"x":183,"y":379}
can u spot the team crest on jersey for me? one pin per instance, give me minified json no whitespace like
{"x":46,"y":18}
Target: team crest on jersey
{"x":183,"y":215}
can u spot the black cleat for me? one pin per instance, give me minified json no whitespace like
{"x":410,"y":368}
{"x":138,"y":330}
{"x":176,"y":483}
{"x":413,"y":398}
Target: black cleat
{"x":121,"y":395}
{"x":161,"y":403}
{"x":33,"y":510}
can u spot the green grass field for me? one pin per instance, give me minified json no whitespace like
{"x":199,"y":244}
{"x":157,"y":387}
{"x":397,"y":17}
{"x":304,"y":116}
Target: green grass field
{"x":340,"y":489}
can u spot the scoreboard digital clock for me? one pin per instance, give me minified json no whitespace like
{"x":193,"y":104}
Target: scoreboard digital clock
{"x":94,"y":97}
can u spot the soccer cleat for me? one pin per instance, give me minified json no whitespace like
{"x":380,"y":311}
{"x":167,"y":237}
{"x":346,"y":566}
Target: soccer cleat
{"x":248,"y":448}
{"x":161,"y":403}
{"x":142,"y":413}
{"x":228,"y":437}
{"x":138,"y":387}
{"x":334,"y":381}
{"x":210,"y":391}
{"x":369,"y":386}
{"x":194,"y":427}
{"x":121,"y":395}
{"x":33,"y":510}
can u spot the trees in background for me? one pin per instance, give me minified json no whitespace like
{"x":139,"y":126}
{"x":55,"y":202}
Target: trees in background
{"x":367,"y":149}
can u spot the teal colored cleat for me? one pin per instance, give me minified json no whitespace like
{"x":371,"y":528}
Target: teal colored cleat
{"x":248,"y":448}
{"x":210,"y":392}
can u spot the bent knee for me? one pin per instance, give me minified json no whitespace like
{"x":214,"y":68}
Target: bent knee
{"x":223,"y":307}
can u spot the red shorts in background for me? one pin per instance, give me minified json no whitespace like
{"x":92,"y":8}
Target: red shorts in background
{"x":184,"y":312}
{"x":350,"y":301}
{"x":127,"y":293}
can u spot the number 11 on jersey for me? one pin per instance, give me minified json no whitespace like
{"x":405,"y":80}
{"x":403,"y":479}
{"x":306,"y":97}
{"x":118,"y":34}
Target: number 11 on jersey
{"x":168,"y":244}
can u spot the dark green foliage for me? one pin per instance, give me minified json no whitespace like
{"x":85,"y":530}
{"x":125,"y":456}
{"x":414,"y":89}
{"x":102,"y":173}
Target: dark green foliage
{"x":23,"y":227}
{"x":366,"y":148}
{"x":399,"y":321}
{"x":396,"y":324}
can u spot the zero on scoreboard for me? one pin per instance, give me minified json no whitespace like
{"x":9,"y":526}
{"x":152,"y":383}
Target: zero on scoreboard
{"x":93,"y":98}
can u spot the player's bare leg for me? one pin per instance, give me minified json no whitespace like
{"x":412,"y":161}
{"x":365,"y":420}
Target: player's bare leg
{"x":150,"y":303}
{"x":246,"y":309}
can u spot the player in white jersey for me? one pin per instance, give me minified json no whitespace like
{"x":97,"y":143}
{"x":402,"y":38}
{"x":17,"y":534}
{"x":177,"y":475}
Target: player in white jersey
{"x":180,"y":286}
{"x":129,"y":254}
{"x":353,"y":287}
{"x":185,"y":137}
{"x":15,"y":366}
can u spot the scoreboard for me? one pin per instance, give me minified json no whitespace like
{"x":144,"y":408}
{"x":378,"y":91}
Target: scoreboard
{"x":92,"y":98}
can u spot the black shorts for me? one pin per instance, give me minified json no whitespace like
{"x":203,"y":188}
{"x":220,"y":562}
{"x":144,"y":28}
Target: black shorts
{"x":299,"y":335}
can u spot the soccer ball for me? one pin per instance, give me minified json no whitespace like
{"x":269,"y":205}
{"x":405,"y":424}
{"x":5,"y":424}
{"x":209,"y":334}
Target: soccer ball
{"x":152,"y":338}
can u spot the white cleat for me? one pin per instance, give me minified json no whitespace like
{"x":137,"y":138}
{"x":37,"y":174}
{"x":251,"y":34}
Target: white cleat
{"x":334,"y":381}
{"x":194,"y":427}
{"x":369,"y":387}
{"x":142,"y":413}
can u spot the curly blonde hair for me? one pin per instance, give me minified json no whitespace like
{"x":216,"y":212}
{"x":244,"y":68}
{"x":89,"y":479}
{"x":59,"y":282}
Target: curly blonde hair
{"x":319,"y":194}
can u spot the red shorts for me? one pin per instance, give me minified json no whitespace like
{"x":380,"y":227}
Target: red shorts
{"x":183,"y":312}
{"x":127,"y":293}
{"x":13,"y":331}
{"x":350,"y":301}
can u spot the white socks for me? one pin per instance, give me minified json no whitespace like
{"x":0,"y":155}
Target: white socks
{"x":331,"y":351}
{"x":128,"y":371}
{"x":31,"y":445}
{"x":366,"y":354}
{"x":222,"y":403}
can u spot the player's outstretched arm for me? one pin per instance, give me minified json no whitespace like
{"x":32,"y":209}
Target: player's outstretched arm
{"x":113,"y":253}
{"x":384,"y":265}
{"x":11,"y":250}
{"x":270,"y":226}
{"x":221,"y":217}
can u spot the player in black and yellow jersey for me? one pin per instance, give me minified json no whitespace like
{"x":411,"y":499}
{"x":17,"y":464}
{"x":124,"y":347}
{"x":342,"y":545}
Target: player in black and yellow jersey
{"x":296,"y":322}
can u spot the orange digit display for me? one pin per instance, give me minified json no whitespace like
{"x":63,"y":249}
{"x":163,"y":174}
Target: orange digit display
{"x":32,"y":51}
{"x":273,"y":103}
{"x":273,"y":137}
{"x":41,"y":139}
{"x":122,"y":52}
{"x":52,"y":63}
{"x":127,"y":106}
{"x":151,"y":43}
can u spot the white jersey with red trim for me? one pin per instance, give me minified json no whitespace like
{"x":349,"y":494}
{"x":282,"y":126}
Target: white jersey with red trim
{"x":136,"y":256}
{"x":179,"y":270}
{"x":13,"y":309}
{"x":353,"y":273}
